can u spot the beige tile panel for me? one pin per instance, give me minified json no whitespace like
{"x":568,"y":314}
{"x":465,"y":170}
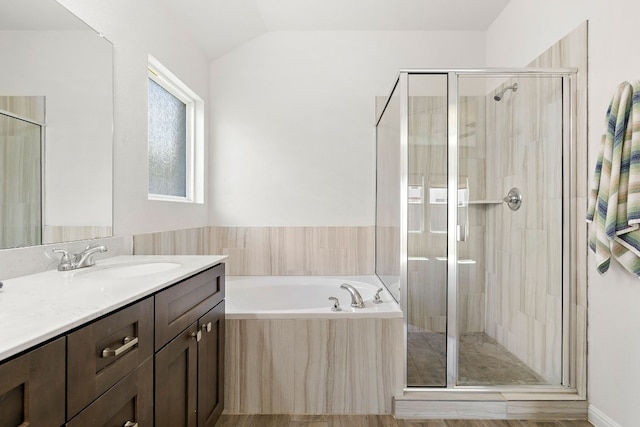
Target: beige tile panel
{"x":323,"y":360}
{"x":451,"y":396}
{"x":264,"y":362}
{"x":232,"y":365}
{"x":192,"y":241}
{"x":276,"y":251}
{"x":293,"y":250}
{"x":343,"y":366}
{"x":30,"y":107}
{"x":547,"y":410}
{"x":411,"y":409}
{"x":61,"y":233}
{"x":463,"y":405}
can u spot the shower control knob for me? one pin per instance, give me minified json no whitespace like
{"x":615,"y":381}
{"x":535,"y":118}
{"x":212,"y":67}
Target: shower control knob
{"x":513,"y":199}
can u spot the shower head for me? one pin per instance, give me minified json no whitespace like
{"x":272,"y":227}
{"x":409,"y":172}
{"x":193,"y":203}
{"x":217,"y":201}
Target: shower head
{"x":500,"y":94}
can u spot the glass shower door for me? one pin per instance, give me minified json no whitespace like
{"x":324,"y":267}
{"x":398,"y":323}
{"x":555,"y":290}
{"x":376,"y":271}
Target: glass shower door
{"x":427,"y":221}
{"x":20,"y":162}
{"x":509,"y":266}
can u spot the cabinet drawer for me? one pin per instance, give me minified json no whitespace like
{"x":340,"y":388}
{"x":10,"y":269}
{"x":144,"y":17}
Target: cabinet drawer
{"x":105,"y":351}
{"x":183,"y":303}
{"x":32,"y":388}
{"x":129,"y":401}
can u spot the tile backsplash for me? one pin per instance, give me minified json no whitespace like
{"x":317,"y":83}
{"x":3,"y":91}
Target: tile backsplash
{"x":271,"y":251}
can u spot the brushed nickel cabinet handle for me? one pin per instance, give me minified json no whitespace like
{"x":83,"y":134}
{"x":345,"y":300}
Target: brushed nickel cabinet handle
{"x":127,"y":343}
{"x":196,"y":336}
{"x":206,"y":327}
{"x":130,"y":424}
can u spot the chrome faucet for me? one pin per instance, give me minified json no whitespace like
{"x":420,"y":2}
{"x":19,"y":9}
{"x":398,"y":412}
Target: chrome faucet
{"x":356,"y":298}
{"x":80,"y":260}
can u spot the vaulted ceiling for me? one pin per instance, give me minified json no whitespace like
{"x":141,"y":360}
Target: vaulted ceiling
{"x":219,"y":26}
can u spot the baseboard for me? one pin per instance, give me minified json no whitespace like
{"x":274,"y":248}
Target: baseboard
{"x":600,"y":419}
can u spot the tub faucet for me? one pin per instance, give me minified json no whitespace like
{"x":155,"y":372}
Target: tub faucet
{"x":356,"y":298}
{"x":80,"y":260}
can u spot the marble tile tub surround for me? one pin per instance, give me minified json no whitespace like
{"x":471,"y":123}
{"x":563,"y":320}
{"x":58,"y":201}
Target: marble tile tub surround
{"x":272,"y":251}
{"x":35,"y":259}
{"x":315,"y":366}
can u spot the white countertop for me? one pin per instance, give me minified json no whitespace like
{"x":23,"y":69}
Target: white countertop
{"x":41,"y":306}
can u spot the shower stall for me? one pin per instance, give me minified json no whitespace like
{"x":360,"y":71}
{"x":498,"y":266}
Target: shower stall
{"x":474,"y":179}
{"x":21,"y":175}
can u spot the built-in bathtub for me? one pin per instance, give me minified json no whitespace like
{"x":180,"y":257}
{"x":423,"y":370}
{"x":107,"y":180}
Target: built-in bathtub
{"x":288,"y":352}
{"x":284,"y":297}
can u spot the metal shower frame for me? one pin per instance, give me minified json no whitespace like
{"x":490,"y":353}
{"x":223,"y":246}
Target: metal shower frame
{"x":569,"y":101}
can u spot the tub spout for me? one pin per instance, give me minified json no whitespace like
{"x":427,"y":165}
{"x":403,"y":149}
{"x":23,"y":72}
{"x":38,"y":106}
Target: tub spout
{"x":356,"y":298}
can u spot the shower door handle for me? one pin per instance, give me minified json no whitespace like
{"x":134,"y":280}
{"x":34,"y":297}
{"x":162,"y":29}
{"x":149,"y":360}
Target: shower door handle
{"x":461,"y":233}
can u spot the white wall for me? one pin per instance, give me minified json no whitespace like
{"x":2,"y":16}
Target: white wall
{"x":138,"y":28}
{"x":293,"y":128}
{"x":522,"y":32}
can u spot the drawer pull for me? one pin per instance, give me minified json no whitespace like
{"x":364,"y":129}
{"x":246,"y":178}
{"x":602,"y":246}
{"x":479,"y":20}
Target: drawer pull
{"x":127,"y":343}
{"x":206,"y":327}
{"x":196,"y":336}
{"x":130,"y":424}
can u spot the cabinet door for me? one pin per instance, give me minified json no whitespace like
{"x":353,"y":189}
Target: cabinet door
{"x":176,"y":380}
{"x":105,"y":351}
{"x":185,"y":302}
{"x":128,"y":403}
{"x":32,"y":387}
{"x":211,"y":367}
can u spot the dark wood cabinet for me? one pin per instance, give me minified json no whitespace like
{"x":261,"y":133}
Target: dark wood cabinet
{"x":128,"y":403}
{"x":189,"y":380}
{"x":157,"y":362}
{"x":211,"y":367}
{"x":185,"y":302}
{"x":177,"y":381}
{"x":105,"y":351}
{"x":32,"y":387}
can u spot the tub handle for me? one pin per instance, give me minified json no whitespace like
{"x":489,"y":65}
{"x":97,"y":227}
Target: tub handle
{"x":336,"y":304}
{"x":376,"y":298}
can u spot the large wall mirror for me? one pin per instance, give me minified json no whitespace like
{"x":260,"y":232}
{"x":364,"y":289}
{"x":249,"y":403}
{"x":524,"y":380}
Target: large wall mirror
{"x":56,"y":126}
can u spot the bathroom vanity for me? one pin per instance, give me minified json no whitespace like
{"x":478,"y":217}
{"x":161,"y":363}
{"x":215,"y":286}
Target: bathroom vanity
{"x":131,"y":340}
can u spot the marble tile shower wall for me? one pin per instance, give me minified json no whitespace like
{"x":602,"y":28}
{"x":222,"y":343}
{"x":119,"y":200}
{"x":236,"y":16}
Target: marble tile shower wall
{"x":272,"y":251}
{"x":571,"y":51}
{"x":524,"y":270}
{"x":524,"y":265}
{"x":427,"y":275}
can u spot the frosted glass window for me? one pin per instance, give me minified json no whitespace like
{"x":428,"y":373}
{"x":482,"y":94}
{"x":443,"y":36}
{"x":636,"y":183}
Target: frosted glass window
{"x":167,"y":143}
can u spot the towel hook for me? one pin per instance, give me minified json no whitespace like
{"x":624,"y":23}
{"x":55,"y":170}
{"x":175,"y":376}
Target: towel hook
{"x":513,"y":199}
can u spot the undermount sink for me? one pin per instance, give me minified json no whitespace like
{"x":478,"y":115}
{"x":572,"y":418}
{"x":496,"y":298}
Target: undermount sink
{"x":128,"y":270}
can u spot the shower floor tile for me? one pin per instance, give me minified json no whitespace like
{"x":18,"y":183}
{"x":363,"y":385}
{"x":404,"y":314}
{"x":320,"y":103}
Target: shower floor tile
{"x":482,"y":361}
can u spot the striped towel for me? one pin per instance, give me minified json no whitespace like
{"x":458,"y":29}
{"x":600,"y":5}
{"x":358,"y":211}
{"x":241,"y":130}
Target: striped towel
{"x":614,"y":201}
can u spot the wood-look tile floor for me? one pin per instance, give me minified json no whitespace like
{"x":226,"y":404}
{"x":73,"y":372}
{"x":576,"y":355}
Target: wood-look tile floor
{"x":280,"y":420}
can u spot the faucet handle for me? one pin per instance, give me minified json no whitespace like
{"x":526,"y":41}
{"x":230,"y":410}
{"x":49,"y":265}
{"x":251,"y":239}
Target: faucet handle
{"x":65,"y":260}
{"x":376,"y":298}
{"x":336,"y":304}
{"x":65,"y":254}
